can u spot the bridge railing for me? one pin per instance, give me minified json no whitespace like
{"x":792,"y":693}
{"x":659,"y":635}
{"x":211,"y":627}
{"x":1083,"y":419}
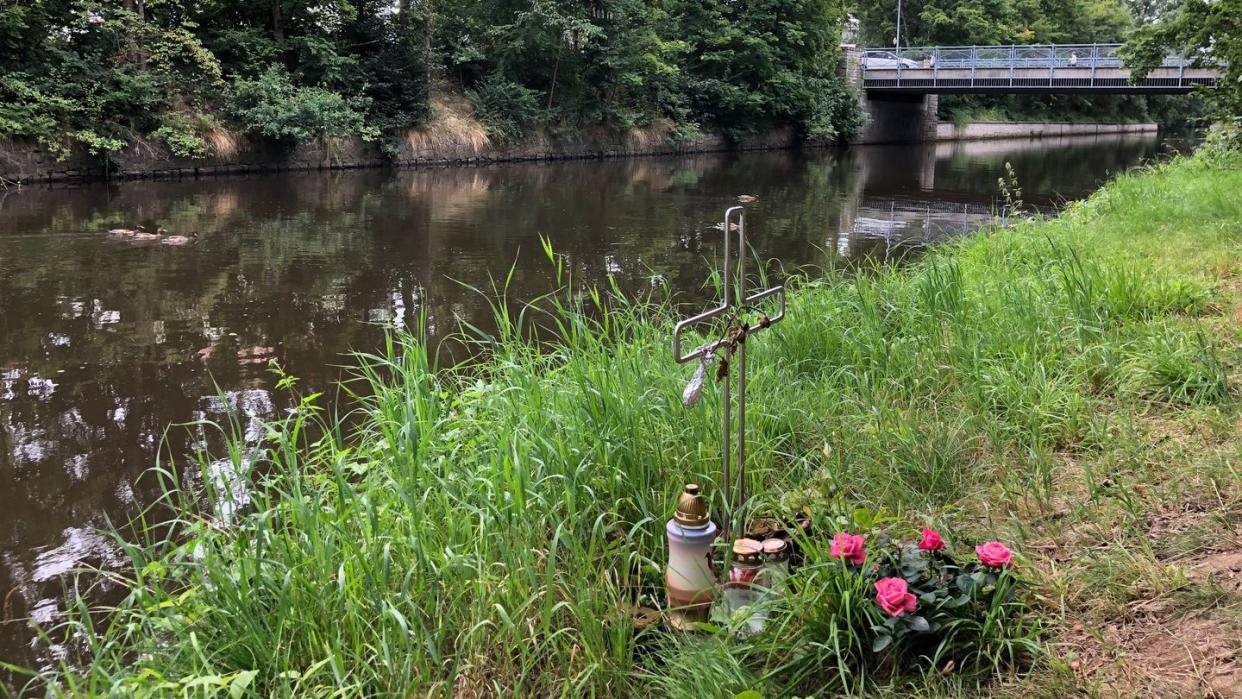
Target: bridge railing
{"x":1022,"y":67}
{"x":1003,"y":57}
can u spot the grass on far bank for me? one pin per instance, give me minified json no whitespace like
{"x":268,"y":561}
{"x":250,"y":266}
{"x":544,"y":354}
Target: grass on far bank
{"x":1069,"y":386}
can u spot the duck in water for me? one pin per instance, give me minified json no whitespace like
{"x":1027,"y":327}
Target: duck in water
{"x":127,"y":233}
{"x":141,"y":236}
{"x":179,"y":239}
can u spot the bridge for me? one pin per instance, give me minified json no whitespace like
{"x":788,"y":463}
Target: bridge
{"x":1039,"y":69}
{"x":900,"y":89}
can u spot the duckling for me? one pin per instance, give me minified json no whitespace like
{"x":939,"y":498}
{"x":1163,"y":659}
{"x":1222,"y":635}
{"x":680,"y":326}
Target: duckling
{"x":145,"y":236}
{"x":179,"y":239}
{"x":126,"y":233}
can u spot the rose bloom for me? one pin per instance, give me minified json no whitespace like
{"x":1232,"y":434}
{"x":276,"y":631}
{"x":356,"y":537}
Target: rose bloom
{"x":893,"y":596}
{"x":994,"y":554}
{"x":931,"y":540}
{"x":848,"y":547}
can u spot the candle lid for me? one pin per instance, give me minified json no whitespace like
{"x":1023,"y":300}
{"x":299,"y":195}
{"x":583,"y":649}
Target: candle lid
{"x":747,"y":552}
{"x":692,"y":508}
{"x":775,"y":549}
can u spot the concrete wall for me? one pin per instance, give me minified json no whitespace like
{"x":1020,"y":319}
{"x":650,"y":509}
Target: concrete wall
{"x":983,"y":130}
{"x":26,"y":161}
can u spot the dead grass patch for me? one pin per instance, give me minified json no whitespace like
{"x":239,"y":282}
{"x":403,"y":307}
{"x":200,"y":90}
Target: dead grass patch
{"x":1194,"y":656}
{"x":453,"y":124}
{"x":1224,"y":569}
{"x":224,"y":144}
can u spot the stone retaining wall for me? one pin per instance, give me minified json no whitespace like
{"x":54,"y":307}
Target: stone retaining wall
{"x":983,"y":130}
{"x":30,"y":162}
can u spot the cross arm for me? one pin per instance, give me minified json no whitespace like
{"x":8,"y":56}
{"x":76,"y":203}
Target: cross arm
{"x":682,"y":326}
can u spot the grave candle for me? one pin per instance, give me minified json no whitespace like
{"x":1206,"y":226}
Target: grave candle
{"x":690,"y":578}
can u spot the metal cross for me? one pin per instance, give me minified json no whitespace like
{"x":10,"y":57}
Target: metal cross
{"x":735,"y":302}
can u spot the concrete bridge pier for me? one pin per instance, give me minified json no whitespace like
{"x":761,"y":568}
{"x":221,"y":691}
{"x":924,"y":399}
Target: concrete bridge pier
{"x":899,"y":118}
{"x":893,"y":117}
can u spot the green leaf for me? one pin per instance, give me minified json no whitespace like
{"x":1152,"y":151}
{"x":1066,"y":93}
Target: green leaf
{"x":749,"y":694}
{"x":864,"y":518}
{"x":919,"y":624}
{"x":880,"y":643}
{"x":241,"y":682}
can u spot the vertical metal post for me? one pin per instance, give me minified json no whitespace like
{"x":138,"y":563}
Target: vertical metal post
{"x":974,"y":61}
{"x":741,"y":364}
{"x":897,"y":43}
{"x":1095,"y":54}
{"x":897,"y":39}
{"x":1013,"y":57}
{"x":726,"y":447}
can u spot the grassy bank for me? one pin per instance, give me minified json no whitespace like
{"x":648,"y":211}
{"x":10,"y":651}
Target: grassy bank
{"x":1068,"y":386}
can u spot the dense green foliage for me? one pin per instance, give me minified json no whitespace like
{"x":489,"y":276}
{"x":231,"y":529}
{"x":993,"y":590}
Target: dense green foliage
{"x":85,"y":71}
{"x":1212,"y":31}
{"x":966,"y":22}
{"x":485,"y":533}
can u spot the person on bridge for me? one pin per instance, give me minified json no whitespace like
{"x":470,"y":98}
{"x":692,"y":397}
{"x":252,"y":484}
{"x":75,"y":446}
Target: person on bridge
{"x":1073,"y":59}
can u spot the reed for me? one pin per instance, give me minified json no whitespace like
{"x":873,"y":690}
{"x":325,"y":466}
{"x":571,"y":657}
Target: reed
{"x":484,"y":532}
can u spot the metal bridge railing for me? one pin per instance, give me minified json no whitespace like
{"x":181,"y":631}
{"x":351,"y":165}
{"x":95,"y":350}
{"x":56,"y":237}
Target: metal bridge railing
{"x":999,"y":67}
{"x":1012,"y":56}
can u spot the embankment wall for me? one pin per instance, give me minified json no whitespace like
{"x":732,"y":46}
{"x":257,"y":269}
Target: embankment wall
{"x":985,"y":130}
{"x":25,"y":161}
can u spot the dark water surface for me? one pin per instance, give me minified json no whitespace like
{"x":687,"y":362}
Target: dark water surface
{"x":103,"y":344}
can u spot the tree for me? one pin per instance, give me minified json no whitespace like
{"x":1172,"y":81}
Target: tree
{"x":1210,"y":31}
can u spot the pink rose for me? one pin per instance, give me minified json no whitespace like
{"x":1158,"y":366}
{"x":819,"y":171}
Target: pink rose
{"x":994,"y":554}
{"x":893,"y":596}
{"x":931,"y":540}
{"x":848,"y":547}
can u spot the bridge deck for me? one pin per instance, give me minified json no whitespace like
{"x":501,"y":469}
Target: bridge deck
{"x":1023,"y":69}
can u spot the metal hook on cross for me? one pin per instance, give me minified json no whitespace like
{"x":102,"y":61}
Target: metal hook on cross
{"x":736,"y":300}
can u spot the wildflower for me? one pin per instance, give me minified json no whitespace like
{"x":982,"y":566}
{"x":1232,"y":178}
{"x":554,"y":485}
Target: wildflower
{"x":994,"y":554}
{"x":848,"y":547}
{"x":931,"y":540}
{"x":894,"y":597}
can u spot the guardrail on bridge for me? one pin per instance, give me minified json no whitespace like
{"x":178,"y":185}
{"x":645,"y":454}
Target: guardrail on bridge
{"x":1023,"y":67}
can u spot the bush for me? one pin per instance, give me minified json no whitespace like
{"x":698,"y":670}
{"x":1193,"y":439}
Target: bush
{"x":505,"y":107}
{"x":182,"y":143}
{"x":836,"y":113}
{"x":274,"y":107}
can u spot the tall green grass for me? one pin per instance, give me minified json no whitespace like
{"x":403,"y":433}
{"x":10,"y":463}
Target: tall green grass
{"x":485,"y":532}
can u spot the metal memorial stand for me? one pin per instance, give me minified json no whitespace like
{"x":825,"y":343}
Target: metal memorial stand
{"x":735,"y":303}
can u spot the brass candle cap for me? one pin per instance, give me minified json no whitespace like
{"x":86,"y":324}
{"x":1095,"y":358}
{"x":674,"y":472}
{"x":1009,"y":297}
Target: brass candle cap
{"x":692,"y":508}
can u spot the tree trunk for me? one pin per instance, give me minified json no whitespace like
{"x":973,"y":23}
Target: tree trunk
{"x":278,"y":27}
{"x":556,"y":68}
{"x":427,"y":32}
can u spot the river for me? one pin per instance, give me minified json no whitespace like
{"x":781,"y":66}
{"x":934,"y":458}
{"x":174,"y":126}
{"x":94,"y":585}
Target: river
{"x":105,"y":343}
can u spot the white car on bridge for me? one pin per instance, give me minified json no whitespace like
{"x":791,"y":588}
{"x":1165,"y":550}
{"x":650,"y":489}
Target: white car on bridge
{"x":886,"y":59}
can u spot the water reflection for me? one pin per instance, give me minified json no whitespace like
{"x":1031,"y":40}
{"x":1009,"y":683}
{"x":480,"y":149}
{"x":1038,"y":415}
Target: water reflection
{"x":104,"y":343}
